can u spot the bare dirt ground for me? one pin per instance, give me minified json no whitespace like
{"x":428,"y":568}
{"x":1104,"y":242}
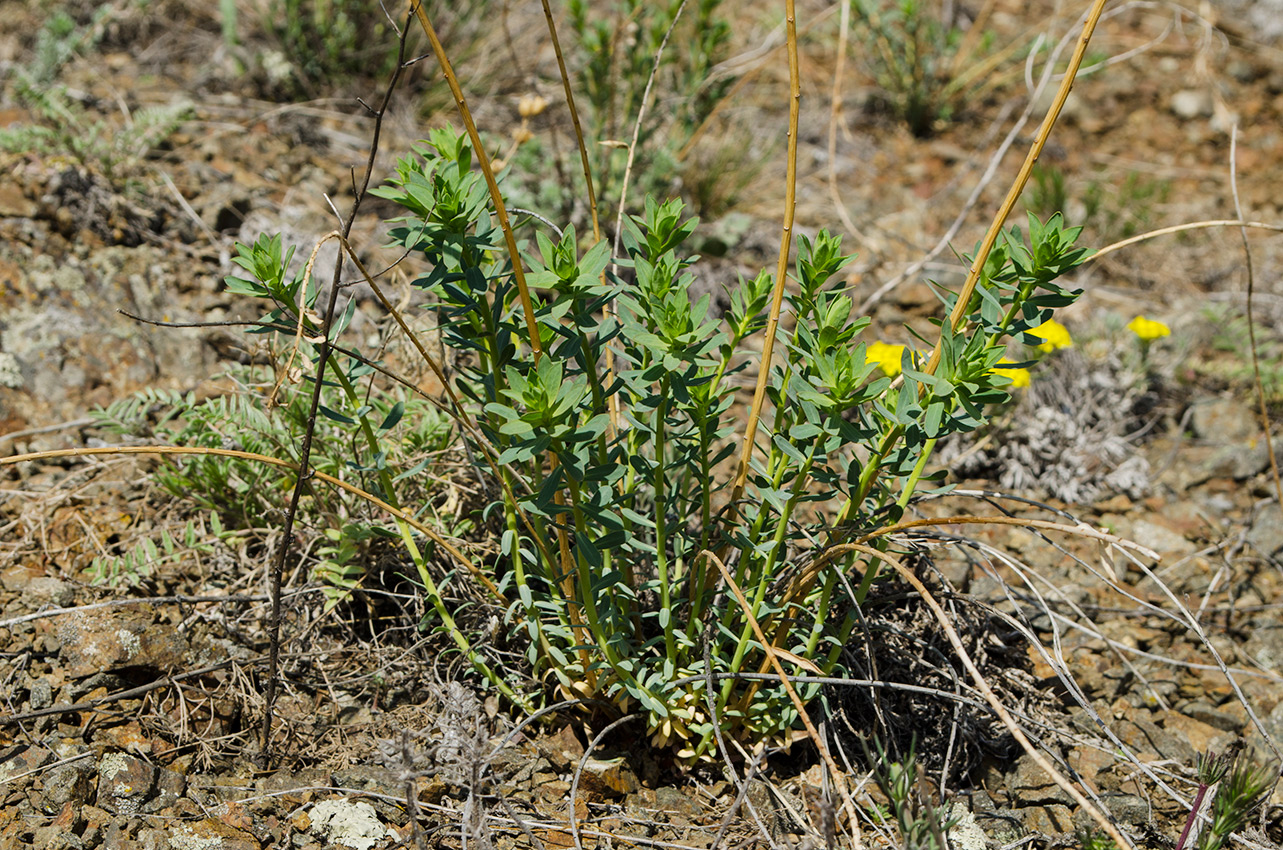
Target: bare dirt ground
{"x":129,"y":708}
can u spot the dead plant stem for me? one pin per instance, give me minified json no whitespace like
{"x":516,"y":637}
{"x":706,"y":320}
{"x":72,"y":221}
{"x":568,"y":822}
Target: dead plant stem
{"x":483,"y":160}
{"x":781,"y":267}
{"x":958,"y":317}
{"x":305,"y":449}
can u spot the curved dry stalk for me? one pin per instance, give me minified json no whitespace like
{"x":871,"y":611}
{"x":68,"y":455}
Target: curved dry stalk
{"x":1055,"y":657}
{"x":1251,"y":325}
{"x":990,"y":697}
{"x":1191,"y":623}
{"x":1178,"y":228}
{"x":774,"y":655}
{"x":483,"y":160}
{"x":781,"y":268}
{"x":398,"y":513}
{"x":991,"y":169}
{"x":637,"y":125}
{"x":835,"y":112}
{"x":612,"y":403}
{"x":812,"y":570}
{"x":290,"y":372}
{"x":518,"y":271}
{"x":574,"y":120}
{"x":986,"y":177}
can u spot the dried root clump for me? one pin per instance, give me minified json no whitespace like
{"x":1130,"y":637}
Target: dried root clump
{"x":925,"y":699}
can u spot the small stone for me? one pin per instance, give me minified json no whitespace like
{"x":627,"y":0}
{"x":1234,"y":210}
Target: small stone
{"x":1189,"y":104}
{"x":14,"y":204}
{"x":1126,"y":809}
{"x":210,"y":833}
{"x":1238,"y":462}
{"x":1031,"y":784}
{"x":562,"y":749}
{"x":1048,"y":820}
{"x":126,"y":736}
{"x":41,"y":694}
{"x":24,"y":761}
{"x":1201,"y":736}
{"x":1003,"y":826}
{"x":1241,"y":70}
{"x":15,"y":579}
{"x":1089,"y":763}
{"x":383,"y":782}
{"x":96,"y":641}
{"x":51,"y":591}
{"x":124,"y":783}
{"x":1223,"y":420}
{"x":1145,"y":739}
{"x":608,"y":778}
{"x":352,"y":823}
{"x":68,"y":784}
{"x":1266,"y":533}
{"x":153,"y":839}
{"x":54,"y":838}
{"x":1161,"y":539}
{"x":1205,"y":712}
{"x":170,"y":787}
{"x":296,"y":786}
{"x":675,"y":801}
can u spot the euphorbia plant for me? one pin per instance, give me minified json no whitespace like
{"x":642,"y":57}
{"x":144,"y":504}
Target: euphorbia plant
{"x":602,"y":404}
{"x":607,"y":518}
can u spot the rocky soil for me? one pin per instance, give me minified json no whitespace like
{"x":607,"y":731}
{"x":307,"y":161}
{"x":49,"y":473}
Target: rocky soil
{"x":130,"y":712}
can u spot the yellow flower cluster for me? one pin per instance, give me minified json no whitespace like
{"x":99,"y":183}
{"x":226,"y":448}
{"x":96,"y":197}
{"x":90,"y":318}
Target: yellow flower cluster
{"x":890,"y":357}
{"x":1054,"y":336}
{"x":887,"y":356}
{"x":1019,"y":376}
{"x":1148,"y":329}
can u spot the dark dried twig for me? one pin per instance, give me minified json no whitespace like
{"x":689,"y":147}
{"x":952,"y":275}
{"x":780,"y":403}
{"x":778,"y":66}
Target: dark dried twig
{"x":114,"y":603}
{"x":305,"y":450}
{"x":90,"y":705}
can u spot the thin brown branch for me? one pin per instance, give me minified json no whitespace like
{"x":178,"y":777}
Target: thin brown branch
{"x":781,"y":267}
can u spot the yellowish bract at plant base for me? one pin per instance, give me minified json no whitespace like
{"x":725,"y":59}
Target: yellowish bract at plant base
{"x":1148,"y":329}
{"x":887,"y":356}
{"x":1019,"y":376}
{"x":1054,"y":335}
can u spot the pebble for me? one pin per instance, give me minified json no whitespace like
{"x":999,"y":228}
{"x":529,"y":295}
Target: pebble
{"x":1189,"y":104}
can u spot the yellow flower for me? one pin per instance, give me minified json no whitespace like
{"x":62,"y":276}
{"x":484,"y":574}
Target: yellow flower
{"x":1148,"y":329}
{"x":1019,"y":376}
{"x":1053,"y":334}
{"x":886,"y":356}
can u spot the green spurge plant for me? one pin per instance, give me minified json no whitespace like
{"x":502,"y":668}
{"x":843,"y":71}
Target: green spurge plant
{"x":616,"y":496}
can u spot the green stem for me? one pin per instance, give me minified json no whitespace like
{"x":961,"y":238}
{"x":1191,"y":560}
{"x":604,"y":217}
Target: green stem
{"x":420,"y":564}
{"x":661,"y":522}
{"x":589,"y":601}
{"x":767,"y":571}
